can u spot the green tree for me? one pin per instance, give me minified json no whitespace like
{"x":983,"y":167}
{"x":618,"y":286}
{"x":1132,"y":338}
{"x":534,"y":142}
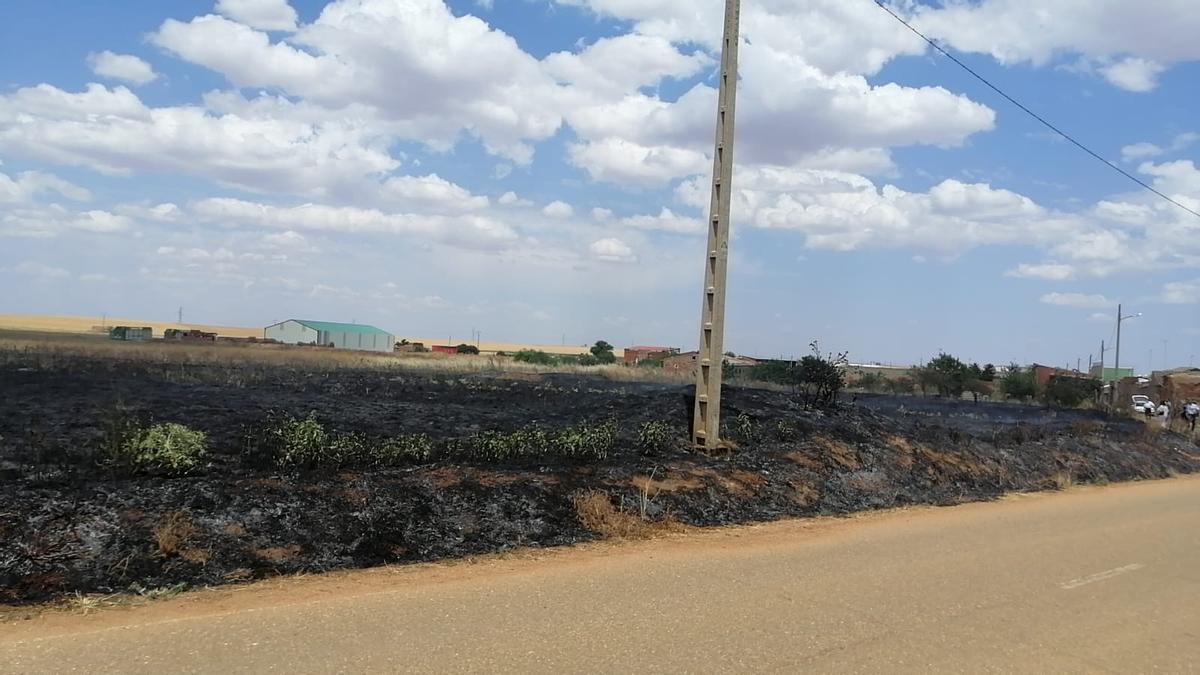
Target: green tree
{"x":534,"y":356}
{"x":871,"y":382}
{"x":467,"y":349}
{"x":603,"y":352}
{"x":819,"y":379}
{"x":1068,"y":392}
{"x":950,"y":375}
{"x":902,"y":385}
{"x":1018,"y":383}
{"x":989,"y":373}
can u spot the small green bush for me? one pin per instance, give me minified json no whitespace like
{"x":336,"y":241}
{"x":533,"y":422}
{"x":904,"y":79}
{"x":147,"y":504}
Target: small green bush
{"x":655,"y":438}
{"x":170,"y":447}
{"x":302,"y":443}
{"x":400,"y":450}
{"x":534,"y":356}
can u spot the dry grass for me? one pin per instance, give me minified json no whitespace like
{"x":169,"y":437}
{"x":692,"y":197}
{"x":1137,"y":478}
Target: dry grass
{"x":173,"y":533}
{"x":50,"y":350}
{"x":597,"y":513}
{"x":1062,"y":480}
{"x":84,"y":324}
{"x":843,"y":455}
{"x":648,"y":485}
{"x":905,"y":450}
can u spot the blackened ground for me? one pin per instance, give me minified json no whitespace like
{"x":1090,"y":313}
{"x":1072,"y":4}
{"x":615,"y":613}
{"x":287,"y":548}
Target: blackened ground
{"x":68,"y":523}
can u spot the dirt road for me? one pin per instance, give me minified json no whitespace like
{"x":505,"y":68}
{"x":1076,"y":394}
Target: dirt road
{"x":1091,"y":580}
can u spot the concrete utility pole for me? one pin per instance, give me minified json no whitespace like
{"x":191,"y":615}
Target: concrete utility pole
{"x":706,"y":428}
{"x":1121,"y":318}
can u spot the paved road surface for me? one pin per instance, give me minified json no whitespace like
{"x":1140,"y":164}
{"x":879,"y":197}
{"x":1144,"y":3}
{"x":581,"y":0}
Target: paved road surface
{"x":1093,"y":580}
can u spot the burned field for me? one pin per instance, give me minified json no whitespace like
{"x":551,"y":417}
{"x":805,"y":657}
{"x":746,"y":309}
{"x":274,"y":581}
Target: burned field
{"x":307,"y":469}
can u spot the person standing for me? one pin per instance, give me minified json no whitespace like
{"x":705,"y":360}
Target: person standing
{"x":1190,"y":412}
{"x":1164,"y":411}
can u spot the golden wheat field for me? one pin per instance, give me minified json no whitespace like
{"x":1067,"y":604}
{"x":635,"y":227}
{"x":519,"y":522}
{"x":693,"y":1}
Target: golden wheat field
{"x":90,"y":324}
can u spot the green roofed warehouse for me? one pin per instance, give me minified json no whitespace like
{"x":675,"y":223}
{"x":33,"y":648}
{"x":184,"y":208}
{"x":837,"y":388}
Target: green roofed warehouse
{"x":327,"y":333}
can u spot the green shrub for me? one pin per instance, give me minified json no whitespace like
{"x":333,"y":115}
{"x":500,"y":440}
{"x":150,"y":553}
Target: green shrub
{"x":467,"y":349}
{"x":655,"y":438}
{"x":400,"y":450}
{"x":170,"y":447}
{"x":587,"y":440}
{"x":302,"y":443}
{"x":534,"y":356}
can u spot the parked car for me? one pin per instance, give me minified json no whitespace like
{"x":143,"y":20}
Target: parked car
{"x":1143,"y":405}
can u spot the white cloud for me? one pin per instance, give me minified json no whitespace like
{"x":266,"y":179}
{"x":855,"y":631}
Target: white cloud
{"x":1181,"y":292}
{"x":113,"y":132}
{"x":1140,"y":151}
{"x":558,"y":209}
{"x":94,"y":277}
{"x":465,"y":231}
{"x":1101,"y":317}
{"x":601,"y":215}
{"x":612,"y":250}
{"x":53,"y":220}
{"x":1128,"y":43}
{"x":260,"y":14}
{"x":121,"y":67}
{"x":414,"y":67}
{"x":665,"y":221}
{"x":1133,"y":74}
{"x":32,"y":184}
{"x":846,"y":212}
{"x":510,"y":198}
{"x":1079,"y":300}
{"x":1048,"y":271}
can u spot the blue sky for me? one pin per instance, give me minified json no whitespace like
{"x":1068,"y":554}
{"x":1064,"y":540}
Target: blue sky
{"x":537,"y":170}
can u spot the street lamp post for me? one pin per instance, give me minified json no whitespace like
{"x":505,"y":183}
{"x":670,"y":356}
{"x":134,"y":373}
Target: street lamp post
{"x":1117,"y":366}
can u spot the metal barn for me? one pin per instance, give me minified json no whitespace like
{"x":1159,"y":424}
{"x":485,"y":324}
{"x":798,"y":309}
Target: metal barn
{"x":327,"y":333}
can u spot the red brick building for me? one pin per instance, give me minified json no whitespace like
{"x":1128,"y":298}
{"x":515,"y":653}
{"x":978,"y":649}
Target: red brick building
{"x":635,"y":355}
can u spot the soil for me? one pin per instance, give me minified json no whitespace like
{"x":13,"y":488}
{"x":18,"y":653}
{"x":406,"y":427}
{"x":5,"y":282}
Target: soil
{"x":71,"y":523}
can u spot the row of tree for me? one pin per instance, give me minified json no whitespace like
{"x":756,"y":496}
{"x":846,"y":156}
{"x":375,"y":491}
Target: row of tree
{"x":950,"y":377}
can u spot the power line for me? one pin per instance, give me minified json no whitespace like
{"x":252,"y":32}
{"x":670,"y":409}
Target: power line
{"x":1032,"y":114}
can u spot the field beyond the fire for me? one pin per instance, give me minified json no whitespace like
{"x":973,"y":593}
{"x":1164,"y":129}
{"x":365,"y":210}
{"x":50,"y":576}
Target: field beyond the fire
{"x":437,"y":459}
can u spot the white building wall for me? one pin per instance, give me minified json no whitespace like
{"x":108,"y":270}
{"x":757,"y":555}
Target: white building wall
{"x":290,"y":333}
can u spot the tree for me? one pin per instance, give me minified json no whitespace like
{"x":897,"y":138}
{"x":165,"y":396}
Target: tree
{"x":871,"y":382}
{"x":989,"y":373}
{"x":976,"y":387}
{"x":467,"y":349}
{"x":1068,"y":392}
{"x":949,"y":375}
{"x":819,"y":379}
{"x":902,"y":385}
{"x":603,"y":352}
{"x":925,"y":378}
{"x":1018,"y":383}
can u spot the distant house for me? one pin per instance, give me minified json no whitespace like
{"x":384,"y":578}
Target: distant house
{"x":330,"y":334}
{"x":636,"y":355}
{"x":1043,"y":374}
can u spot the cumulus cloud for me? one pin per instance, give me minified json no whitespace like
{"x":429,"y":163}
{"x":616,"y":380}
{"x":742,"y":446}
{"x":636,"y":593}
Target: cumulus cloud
{"x":846,"y":212}
{"x":612,"y":250}
{"x":1129,"y":44}
{"x":29,"y":185}
{"x":121,"y":67}
{"x":260,"y":14}
{"x":414,"y":67}
{"x":466,"y":231}
{"x":1134,"y":74}
{"x":1080,"y":300}
{"x":558,"y":209}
